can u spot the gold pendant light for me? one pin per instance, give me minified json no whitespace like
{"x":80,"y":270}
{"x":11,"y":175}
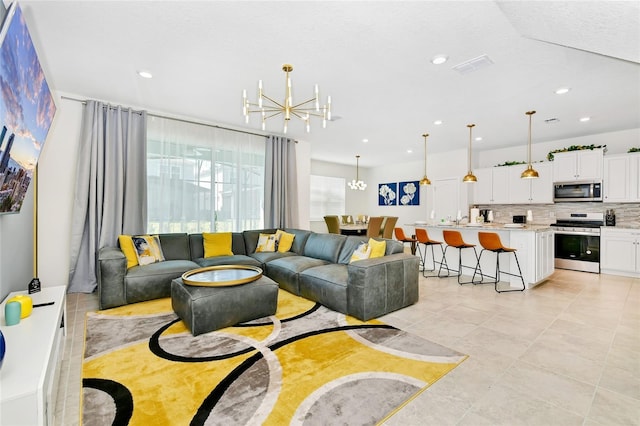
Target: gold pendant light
{"x":470,"y":177}
{"x":530,"y":173}
{"x":425,"y":180}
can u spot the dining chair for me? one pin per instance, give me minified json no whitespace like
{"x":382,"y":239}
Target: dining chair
{"x":389,"y":224}
{"x":333,"y":224}
{"x":423,"y":238}
{"x":347,"y":219}
{"x":373,"y":227}
{"x":400,"y":236}
{"x":490,"y":241}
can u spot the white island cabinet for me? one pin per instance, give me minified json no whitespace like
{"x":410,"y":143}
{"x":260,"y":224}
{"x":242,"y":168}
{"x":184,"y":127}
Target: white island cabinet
{"x":534,"y":245}
{"x":31,"y":365}
{"x":620,"y":251}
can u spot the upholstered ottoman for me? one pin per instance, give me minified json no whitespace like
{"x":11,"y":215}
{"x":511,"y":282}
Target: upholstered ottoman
{"x":205,"y":309}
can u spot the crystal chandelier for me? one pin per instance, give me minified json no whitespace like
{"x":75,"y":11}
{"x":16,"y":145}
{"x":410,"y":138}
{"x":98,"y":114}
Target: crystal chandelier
{"x":357,"y":183}
{"x":425,"y":180}
{"x":268,"y":107}
{"x":530,"y":173}
{"x":470,"y":177}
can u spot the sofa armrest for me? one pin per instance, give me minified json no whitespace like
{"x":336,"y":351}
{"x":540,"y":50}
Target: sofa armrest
{"x":381,"y":285}
{"x":111,"y":270}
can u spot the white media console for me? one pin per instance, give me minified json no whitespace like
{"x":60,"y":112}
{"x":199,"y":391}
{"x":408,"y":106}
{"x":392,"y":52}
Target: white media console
{"x":31,"y":367}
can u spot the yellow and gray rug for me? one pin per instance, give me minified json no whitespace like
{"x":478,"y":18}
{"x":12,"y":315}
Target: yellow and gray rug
{"x":305,"y":365}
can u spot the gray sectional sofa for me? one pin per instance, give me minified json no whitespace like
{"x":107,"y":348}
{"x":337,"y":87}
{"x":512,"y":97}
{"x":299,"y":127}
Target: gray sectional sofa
{"x":317,"y":268}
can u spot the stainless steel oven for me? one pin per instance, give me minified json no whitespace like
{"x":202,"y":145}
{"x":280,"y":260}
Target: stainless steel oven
{"x":577,"y":241}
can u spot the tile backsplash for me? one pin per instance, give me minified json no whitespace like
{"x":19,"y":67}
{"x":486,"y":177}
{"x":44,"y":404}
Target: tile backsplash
{"x":627,"y":214}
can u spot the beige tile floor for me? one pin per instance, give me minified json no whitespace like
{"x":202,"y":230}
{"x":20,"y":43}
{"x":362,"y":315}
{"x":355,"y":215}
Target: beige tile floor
{"x":564,"y":353}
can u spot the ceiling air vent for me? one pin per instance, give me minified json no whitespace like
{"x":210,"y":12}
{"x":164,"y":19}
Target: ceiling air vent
{"x":552,"y":120}
{"x":473,"y":64}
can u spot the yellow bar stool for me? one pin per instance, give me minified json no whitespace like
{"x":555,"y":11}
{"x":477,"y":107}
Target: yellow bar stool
{"x":490,"y":241}
{"x":423,"y":238}
{"x":454,"y":239}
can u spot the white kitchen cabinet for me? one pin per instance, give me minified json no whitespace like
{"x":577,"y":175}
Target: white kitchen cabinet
{"x":545,"y":255}
{"x":621,"y":180}
{"x":531,"y":191}
{"x":582,"y":165}
{"x":620,"y":251}
{"x":492,"y":186}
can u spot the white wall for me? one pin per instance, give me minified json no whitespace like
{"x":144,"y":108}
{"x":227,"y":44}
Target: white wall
{"x":16,"y":247}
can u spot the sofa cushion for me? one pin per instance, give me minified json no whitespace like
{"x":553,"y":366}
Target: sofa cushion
{"x":236,"y":259}
{"x":154,"y":281}
{"x":266,"y":257}
{"x":378,"y":248}
{"x":196,"y":245}
{"x":351,"y":244}
{"x":300,"y":240}
{"x":362,"y":252}
{"x":251,"y":238}
{"x":148,"y":249}
{"x":324,"y":246}
{"x":284,"y":240}
{"x":217,"y":244}
{"x":266,"y":243}
{"x":326,"y":284}
{"x":175,"y":246}
{"x":126,"y":245}
{"x":285,"y":270}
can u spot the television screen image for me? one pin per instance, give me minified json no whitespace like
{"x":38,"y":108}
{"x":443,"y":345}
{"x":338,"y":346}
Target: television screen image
{"x":27,"y":109}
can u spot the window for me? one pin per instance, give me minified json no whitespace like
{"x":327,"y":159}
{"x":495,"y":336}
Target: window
{"x":327,"y":196}
{"x":203,"y":179}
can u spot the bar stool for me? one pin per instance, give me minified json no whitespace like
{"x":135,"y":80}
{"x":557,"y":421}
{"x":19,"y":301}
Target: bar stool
{"x":454,"y":239}
{"x":399,"y":232}
{"x":423,"y":238}
{"x":490,"y":241}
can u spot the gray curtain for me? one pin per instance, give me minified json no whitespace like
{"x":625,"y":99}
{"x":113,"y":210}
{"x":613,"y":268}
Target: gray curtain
{"x":280,"y":183}
{"x":111,"y":195}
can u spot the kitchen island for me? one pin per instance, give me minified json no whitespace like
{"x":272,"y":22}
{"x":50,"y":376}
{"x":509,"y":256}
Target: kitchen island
{"x":534,"y":244}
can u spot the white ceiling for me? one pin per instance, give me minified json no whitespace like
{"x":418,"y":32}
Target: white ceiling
{"x":373,"y":58}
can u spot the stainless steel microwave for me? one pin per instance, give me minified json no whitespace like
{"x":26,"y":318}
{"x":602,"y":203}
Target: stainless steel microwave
{"x":577,"y":191}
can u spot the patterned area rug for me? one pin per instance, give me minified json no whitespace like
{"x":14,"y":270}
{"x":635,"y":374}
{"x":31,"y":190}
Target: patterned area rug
{"x":305,"y":365}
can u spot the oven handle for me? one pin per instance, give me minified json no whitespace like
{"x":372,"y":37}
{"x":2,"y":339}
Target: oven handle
{"x":590,"y":234}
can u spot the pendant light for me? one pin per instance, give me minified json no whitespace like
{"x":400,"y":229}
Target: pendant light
{"x":530,"y":173}
{"x":470,"y":177}
{"x":425,"y":180}
{"x":357,"y":183}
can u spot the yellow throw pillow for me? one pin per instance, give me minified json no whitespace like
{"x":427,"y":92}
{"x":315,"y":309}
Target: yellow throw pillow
{"x":377,"y":248}
{"x":266,"y":243}
{"x":126,"y":245}
{"x":285,"y":240}
{"x":148,"y":249}
{"x":217,"y":244}
{"x":362,"y":252}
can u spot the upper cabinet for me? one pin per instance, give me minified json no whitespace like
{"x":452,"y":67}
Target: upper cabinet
{"x":492,"y":186}
{"x":531,"y":191}
{"x":503,"y":185}
{"x":621,"y":180}
{"x":583,"y":165}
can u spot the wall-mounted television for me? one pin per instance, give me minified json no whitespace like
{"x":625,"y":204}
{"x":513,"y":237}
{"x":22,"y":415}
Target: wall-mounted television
{"x":27,"y":109}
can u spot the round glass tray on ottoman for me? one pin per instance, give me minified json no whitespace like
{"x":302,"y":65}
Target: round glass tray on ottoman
{"x":222,"y":275}
{"x":224,"y":296}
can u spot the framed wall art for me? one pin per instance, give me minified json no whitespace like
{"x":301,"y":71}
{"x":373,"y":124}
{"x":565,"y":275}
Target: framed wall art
{"x":409,"y":193}
{"x":387,"y":194}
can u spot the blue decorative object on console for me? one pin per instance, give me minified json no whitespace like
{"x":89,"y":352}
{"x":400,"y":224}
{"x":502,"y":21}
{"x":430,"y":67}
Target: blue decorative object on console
{"x":2,"y":348}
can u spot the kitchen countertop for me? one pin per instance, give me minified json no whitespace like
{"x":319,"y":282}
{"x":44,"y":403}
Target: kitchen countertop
{"x":484,"y":226}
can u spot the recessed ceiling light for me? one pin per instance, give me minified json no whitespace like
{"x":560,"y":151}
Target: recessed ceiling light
{"x":479,"y":138}
{"x":409,"y":151}
{"x":583,"y":119}
{"x":365,"y":140}
{"x":437,"y":122}
{"x":563,"y":90}
{"x":439,"y":59}
{"x":145,"y":74}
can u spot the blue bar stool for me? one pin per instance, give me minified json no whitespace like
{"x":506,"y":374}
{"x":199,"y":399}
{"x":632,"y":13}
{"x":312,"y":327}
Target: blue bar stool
{"x":454,"y":239}
{"x":490,"y":241}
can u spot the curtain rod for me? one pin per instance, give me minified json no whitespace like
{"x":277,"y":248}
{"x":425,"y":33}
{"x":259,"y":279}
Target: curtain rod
{"x":179,"y":119}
